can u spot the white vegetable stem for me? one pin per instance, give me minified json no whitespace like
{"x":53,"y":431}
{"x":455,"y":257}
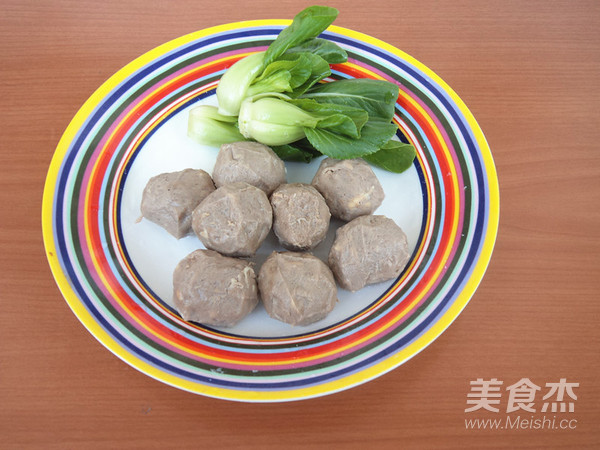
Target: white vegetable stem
{"x":234,"y":83}
{"x":208,"y":127}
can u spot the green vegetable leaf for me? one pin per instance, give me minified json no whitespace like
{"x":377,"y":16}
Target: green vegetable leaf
{"x":394,"y":156}
{"x":307,"y":24}
{"x":377,"y":97}
{"x":319,"y":69}
{"x":328,"y":50}
{"x":342,"y":119}
{"x":373,"y":136}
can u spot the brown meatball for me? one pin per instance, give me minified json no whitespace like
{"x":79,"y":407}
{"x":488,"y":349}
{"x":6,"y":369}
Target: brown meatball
{"x":254,"y":163}
{"x":349,"y":186}
{"x":296,"y":288}
{"x":233,"y":220}
{"x":213,"y":289}
{"x":300,"y":216}
{"x":368,"y":250}
{"x":170,"y":198}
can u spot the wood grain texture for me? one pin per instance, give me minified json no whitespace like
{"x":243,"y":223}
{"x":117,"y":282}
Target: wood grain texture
{"x":529,"y":72}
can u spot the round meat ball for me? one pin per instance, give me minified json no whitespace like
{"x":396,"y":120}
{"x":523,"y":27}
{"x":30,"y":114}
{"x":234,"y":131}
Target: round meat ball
{"x":300,"y":216}
{"x":170,"y":198}
{"x":233,"y":220}
{"x":349,"y":186}
{"x":296,"y":288}
{"x":251,"y":162}
{"x":368,"y":250}
{"x":213,"y":289}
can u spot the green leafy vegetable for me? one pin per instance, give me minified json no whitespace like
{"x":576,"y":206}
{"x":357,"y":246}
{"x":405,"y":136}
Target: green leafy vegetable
{"x":276,"y":98}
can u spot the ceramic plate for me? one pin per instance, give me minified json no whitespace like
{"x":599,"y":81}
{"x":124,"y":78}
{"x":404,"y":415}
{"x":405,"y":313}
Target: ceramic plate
{"x":115,"y":269}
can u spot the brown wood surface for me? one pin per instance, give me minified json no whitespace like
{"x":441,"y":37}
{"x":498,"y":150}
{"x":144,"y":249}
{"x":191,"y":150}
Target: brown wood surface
{"x":529,"y":72}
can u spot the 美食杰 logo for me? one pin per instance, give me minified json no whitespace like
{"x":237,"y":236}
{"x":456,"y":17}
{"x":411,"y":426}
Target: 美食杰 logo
{"x":549,"y":406}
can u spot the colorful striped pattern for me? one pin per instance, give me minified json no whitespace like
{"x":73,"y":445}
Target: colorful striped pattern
{"x":90,"y":263}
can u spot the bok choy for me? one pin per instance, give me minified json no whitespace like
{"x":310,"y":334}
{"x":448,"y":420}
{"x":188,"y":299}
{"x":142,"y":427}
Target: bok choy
{"x":278,"y":98}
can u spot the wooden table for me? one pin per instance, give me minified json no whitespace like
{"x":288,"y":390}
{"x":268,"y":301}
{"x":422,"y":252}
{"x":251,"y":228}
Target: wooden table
{"x":529,"y":72}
